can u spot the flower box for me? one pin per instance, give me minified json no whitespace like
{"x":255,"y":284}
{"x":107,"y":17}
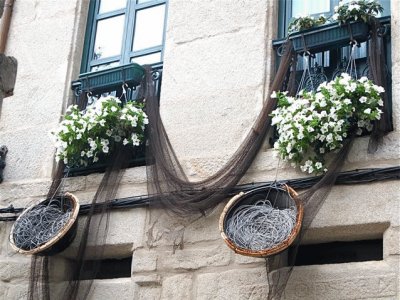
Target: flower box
{"x":109,"y":79}
{"x":329,"y":36}
{"x":138,"y":158}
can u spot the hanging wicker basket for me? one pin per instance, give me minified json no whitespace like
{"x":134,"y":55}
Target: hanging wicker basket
{"x":284,"y":197}
{"x":62,"y":239}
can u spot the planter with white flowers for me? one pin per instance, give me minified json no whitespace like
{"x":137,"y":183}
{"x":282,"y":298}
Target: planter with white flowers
{"x":315,"y":124}
{"x":350,"y":21}
{"x":87,"y":138}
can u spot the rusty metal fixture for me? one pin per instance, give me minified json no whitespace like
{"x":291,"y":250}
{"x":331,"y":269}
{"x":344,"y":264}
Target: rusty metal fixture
{"x":3,"y":154}
{"x":5,"y":24}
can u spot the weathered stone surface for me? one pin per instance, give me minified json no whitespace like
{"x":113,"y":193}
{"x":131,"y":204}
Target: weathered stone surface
{"x":144,"y":260}
{"x":391,"y":245}
{"x":16,"y":291}
{"x":215,"y":95}
{"x":194,"y":258}
{"x":15,"y":192}
{"x":190,"y":20}
{"x":241,"y":284}
{"x":125,"y":232}
{"x":121,"y":288}
{"x":343,"y":281}
{"x":177,"y":287}
{"x":15,"y":269}
{"x":30,"y":151}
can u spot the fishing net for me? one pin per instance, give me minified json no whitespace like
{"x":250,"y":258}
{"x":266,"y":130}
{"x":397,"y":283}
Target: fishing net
{"x":170,"y":188}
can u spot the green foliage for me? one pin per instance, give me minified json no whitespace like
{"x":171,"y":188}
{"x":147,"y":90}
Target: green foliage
{"x":85,"y":136}
{"x":315,"y":124}
{"x":357,"y":10}
{"x":303,"y":23}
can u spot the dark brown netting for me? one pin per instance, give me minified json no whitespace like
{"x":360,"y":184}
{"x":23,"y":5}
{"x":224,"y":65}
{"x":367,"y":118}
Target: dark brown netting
{"x":378,"y":74}
{"x":170,"y":188}
{"x":166,"y":177}
{"x":95,"y":228}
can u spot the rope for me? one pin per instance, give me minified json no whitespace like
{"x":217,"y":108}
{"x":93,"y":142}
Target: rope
{"x":260,"y":226}
{"x":39,"y":225}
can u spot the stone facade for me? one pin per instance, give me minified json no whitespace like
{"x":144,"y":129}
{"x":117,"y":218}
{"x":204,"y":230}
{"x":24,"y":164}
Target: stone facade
{"x":217,"y":68}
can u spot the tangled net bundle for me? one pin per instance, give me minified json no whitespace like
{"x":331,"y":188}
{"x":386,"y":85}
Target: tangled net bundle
{"x":260,"y":226}
{"x":39,"y":225}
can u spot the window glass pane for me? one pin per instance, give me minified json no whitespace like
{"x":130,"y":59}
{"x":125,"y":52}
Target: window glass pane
{"x":111,"y":5}
{"x":149,"y":26}
{"x":104,"y":66}
{"x":309,"y":7}
{"x":147,"y":59}
{"x":109,"y":37}
{"x":142,"y":1}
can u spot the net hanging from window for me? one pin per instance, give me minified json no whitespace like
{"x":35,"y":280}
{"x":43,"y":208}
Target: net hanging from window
{"x":172,"y":189}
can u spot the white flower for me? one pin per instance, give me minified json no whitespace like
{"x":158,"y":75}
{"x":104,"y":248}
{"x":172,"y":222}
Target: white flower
{"x":380,"y":102}
{"x":318,"y":165}
{"x":95,"y":159}
{"x":363,"y":99}
{"x":125,"y":142}
{"x":102,"y":122}
{"x":273,"y":95}
{"x":89,"y":154}
{"x":347,"y":101}
{"x":83,"y":153}
{"x":367,"y":111}
{"x":109,"y":132}
{"x":113,"y":109}
{"x":321,"y":150}
{"x":135,"y":140}
{"x":117,"y":138}
{"x":105,"y":149}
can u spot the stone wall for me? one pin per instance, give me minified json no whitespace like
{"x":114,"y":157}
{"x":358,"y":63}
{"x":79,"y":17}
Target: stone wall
{"x":218,"y":65}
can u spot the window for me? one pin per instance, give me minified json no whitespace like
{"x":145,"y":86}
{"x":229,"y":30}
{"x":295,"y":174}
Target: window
{"x":118,"y":34}
{"x":123,"y":31}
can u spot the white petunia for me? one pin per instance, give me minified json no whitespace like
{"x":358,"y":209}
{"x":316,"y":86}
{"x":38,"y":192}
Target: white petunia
{"x":367,"y":111}
{"x":363,"y":99}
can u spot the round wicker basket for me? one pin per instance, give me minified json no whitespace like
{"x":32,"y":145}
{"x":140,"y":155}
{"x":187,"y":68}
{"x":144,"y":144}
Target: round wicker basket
{"x":285,"y":197}
{"x":62,"y":239}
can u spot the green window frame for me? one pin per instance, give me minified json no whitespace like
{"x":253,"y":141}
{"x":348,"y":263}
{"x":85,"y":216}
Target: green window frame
{"x":131,"y":12}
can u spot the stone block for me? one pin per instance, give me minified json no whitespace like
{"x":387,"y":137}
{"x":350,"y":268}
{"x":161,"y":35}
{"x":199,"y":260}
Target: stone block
{"x":144,"y":260}
{"x":240,"y":284}
{"x":15,"y":269}
{"x":121,"y":288}
{"x":192,"y":20}
{"x":147,"y":280}
{"x":22,"y":193}
{"x":30,"y":152}
{"x":371,"y":280}
{"x":177,"y":287}
{"x":125,"y":230}
{"x":391,"y":242}
{"x":17,"y":291}
{"x":194,"y":258}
